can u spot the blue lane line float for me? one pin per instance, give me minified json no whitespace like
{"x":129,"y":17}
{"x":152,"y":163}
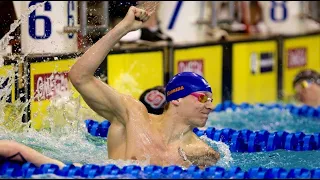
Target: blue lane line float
{"x":305,"y":110}
{"x":11,"y":169}
{"x":244,"y":140}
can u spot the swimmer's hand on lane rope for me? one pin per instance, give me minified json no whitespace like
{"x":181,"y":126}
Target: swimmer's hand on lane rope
{"x":135,"y":18}
{"x":77,"y":164}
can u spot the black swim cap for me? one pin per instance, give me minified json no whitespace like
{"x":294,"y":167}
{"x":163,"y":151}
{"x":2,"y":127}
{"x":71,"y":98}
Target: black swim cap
{"x":154,"y":99}
{"x":307,"y":75}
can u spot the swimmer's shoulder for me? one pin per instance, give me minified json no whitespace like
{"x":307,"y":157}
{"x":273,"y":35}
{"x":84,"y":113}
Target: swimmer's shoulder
{"x":134,"y":105}
{"x":206,"y":148}
{"x":137,"y":107}
{"x":197,"y":145}
{"x":200,"y":142}
{"x":201,"y":154}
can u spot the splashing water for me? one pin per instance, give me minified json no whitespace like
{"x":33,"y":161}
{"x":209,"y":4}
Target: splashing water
{"x":149,"y":6}
{"x":223,"y":149}
{"x":127,"y":83}
{"x":66,"y":139}
{"x":11,"y":114}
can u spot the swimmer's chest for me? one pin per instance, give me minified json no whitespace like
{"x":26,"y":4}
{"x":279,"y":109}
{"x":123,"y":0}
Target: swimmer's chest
{"x":149,"y":143}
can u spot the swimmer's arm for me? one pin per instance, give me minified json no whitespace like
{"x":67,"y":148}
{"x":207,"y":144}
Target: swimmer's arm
{"x":86,"y":65}
{"x":15,"y":151}
{"x":99,"y":96}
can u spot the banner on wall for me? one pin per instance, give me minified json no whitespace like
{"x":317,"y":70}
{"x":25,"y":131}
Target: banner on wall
{"x":48,"y":85}
{"x":262,"y":63}
{"x":299,"y":53}
{"x":297,"y":57}
{"x":47,"y":78}
{"x":132,"y":73}
{"x":266,"y":62}
{"x":254,"y":72}
{"x":203,"y":60}
{"x":195,"y":66}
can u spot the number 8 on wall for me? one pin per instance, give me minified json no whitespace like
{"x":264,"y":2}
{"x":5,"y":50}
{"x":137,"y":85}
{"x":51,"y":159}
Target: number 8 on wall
{"x":278,"y":5}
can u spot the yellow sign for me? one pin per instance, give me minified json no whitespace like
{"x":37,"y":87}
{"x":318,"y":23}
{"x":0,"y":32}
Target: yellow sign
{"x":298,"y":54}
{"x":205,"y":61}
{"x":7,"y":75}
{"x":46,"y":80}
{"x":254,"y":72}
{"x":133,"y":73}
{"x":10,"y":107}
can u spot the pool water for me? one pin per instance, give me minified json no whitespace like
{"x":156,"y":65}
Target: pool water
{"x":272,"y":120}
{"x":259,"y":118}
{"x":70,"y":144}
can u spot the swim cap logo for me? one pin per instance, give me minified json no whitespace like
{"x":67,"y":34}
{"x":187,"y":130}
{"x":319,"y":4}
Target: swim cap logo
{"x":155,"y":99}
{"x":175,"y":90}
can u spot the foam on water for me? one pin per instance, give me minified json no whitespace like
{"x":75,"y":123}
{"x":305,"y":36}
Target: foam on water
{"x":223,"y":149}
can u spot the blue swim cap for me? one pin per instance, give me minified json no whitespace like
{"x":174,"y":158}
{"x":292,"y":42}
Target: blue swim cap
{"x":185,"y":83}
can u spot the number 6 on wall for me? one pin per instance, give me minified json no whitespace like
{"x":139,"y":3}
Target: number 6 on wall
{"x":47,"y":22}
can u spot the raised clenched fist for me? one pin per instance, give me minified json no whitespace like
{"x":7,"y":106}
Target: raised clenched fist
{"x":135,"y":18}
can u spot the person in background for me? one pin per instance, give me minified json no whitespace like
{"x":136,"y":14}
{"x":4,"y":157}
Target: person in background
{"x":257,"y":24}
{"x":154,"y":99}
{"x":307,"y":87}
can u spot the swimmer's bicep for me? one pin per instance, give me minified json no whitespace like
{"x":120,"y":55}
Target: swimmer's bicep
{"x":103,"y":99}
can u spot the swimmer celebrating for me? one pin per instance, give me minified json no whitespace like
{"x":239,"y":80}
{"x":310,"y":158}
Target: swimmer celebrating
{"x":134,"y":134}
